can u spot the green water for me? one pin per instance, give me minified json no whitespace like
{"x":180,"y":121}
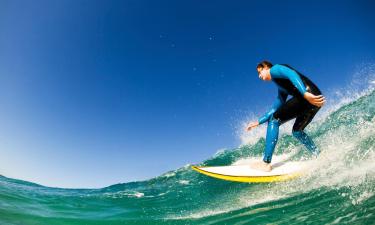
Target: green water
{"x":338,"y":189}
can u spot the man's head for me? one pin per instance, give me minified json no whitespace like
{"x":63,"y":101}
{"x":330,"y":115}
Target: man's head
{"x":263,"y":69}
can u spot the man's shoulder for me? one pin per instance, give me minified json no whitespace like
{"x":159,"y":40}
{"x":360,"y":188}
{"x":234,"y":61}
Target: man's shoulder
{"x":276,"y":69}
{"x":281,"y":70}
{"x":278,"y":66}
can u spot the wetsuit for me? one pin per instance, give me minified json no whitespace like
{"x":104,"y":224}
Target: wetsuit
{"x":290,"y":82}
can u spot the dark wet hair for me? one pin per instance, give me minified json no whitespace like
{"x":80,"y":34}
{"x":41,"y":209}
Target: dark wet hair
{"x":264,"y":64}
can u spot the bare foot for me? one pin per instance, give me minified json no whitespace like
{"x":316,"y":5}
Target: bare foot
{"x":266,"y":167}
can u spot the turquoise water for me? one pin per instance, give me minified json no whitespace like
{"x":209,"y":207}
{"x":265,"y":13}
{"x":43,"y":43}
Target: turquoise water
{"x":338,"y":189}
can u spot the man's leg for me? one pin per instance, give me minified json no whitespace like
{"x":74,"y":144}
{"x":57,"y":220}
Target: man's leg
{"x":271,"y":138}
{"x":290,"y":110}
{"x":298,"y":127}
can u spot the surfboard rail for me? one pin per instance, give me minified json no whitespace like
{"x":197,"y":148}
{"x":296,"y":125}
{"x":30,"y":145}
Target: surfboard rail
{"x":247,"y":179}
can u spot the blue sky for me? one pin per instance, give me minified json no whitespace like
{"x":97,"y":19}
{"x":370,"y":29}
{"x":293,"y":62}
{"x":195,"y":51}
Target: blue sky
{"x":94,"y":93}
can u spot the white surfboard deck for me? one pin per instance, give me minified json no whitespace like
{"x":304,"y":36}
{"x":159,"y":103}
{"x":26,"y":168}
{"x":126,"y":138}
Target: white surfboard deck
{"x":242,"y":172}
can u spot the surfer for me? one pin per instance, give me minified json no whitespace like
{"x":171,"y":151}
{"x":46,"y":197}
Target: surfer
{"x":306,"y":100}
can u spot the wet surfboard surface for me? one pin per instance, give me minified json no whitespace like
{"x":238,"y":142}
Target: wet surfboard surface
{"x":244,"y":173}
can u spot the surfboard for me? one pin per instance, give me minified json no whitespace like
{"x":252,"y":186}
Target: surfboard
{"x":281,"y":171}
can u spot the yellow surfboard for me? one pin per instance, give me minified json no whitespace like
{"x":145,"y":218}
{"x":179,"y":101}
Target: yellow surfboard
{"x":244,"y":173}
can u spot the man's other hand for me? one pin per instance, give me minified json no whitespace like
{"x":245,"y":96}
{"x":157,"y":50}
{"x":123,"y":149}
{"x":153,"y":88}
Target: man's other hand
{"x":317,"y":100}
{"x":252,"y":125}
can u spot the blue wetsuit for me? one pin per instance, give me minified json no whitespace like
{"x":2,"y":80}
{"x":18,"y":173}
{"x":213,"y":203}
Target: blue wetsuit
{"x":290,"y":82}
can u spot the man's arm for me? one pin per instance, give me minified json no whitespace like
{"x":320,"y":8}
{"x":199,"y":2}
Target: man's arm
{"x":281,"y":71}
{"x":281,"y":98}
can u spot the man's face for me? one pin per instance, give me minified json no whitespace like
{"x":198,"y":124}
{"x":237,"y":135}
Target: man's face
{"x":264,"y":73}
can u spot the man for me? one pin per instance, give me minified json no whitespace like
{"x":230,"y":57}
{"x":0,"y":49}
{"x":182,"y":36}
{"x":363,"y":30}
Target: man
{"x":305,"y":102}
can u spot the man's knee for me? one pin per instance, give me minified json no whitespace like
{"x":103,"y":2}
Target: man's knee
{"x":274,"y":119}
{"x":275,"y":116}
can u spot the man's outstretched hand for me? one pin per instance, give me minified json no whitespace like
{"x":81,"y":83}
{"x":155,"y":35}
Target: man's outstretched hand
{"x":317,"y":100}
{"x":252,"y":125}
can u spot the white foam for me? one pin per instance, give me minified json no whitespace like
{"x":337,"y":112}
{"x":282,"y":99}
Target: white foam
{"x":184,"y":182}
{"x":124,"y":193}
{"x":275,"y":159}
